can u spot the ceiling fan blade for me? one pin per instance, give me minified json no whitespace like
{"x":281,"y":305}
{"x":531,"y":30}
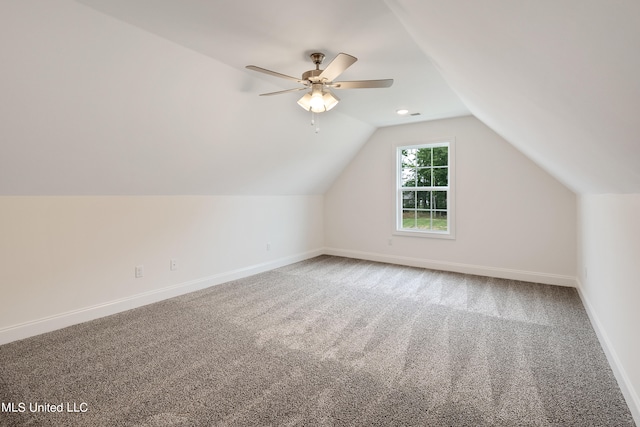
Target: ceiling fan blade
{"x":273,"y":73}
{"x":284,"y":91}
{"x":337,"y":66}
{"x":362,"y":84}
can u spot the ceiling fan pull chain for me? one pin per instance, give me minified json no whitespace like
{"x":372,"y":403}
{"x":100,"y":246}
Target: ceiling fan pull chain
{"x":315,"y":120}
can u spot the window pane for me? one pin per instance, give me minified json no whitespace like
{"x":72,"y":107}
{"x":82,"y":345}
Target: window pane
{"x":409,"y":157}
{"x":408,"y":177}
{"x":408,"y":199}
{"x":423,"y":221}
{"x":440,"y":177}
{"x":408,"y":219}
{"x":424,"y":177}
{"x":439,"y":200}
{"x":440,"y":221}
{"x":423,"y":186}
{"x":423,"y":157}
{"x":423,"y":200}
{"x":440,"y":157}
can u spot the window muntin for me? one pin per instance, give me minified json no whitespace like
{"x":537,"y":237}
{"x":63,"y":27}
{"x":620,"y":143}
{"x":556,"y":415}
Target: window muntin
{"x":423,"y":189}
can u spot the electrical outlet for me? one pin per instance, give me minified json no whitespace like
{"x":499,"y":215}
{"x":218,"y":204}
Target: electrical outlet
{"x":268,"y":246}
{"x":173,"y":265}
{"x":139,"y":271}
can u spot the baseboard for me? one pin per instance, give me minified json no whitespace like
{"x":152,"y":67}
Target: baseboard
{"x":503,"y":273}
{"x":62,"y":320}
{"x":625,"y":384}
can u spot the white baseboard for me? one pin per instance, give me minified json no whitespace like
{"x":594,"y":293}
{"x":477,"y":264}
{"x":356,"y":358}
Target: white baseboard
{"x":625,"y":384}
{"x":503,"y":273}
{"x":62,"y":320}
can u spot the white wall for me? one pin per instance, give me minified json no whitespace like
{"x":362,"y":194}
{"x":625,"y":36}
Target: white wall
{"x":512,"y":218}
{"x":609,"y":277}
{"x":64,"y":260}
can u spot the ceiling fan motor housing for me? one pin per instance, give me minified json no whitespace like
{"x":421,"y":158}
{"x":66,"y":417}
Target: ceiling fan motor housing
{"x":312,"y":75}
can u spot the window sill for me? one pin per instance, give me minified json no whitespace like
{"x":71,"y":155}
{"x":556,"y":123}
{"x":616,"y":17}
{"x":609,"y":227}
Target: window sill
{"x":425,"y":234}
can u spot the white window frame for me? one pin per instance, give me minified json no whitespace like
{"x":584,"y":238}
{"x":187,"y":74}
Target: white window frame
{"x":397,"y":188}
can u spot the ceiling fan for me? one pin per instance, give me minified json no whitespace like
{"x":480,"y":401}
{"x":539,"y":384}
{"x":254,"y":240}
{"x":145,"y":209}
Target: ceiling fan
{"x":320,"y":98}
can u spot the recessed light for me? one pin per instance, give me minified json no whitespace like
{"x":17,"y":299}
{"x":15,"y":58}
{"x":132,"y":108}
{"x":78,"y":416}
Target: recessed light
{"x":402,"y":111}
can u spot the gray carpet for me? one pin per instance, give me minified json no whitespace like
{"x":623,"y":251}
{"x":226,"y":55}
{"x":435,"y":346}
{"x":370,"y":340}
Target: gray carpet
{"x":329,"y":341}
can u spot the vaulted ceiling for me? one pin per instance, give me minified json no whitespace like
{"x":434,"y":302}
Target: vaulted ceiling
{"x":557,"y":79}
{"x":152,"y":97}
{"x":280,"y":35}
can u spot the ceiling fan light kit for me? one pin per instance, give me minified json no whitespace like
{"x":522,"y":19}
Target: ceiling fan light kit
{"x":320,"y":98}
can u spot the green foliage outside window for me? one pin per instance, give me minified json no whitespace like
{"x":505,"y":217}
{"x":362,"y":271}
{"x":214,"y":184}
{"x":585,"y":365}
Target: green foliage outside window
{"x":424,"y":192}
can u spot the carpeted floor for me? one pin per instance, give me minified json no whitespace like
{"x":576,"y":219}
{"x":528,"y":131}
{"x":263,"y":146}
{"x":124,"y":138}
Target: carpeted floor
{"x":329,"y":341}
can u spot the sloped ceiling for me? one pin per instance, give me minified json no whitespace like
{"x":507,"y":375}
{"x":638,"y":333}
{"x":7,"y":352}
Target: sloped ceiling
{"x":280,"y":35}
{"x":560,"y":80}
{"x":152,"y":97}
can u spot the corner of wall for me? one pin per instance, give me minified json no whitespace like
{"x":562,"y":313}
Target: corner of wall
{"x":624,"y":381}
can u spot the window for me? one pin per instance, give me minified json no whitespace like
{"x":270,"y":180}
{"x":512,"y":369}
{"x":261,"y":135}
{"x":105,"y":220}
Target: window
{"x":424,"y":190}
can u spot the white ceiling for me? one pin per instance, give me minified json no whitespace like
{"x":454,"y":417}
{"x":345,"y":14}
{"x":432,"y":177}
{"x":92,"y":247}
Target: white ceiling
{"x":91,"y":105}
{"x":151,"y":96}
{"x":560,"y":80}
{"x":280,"y":34}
